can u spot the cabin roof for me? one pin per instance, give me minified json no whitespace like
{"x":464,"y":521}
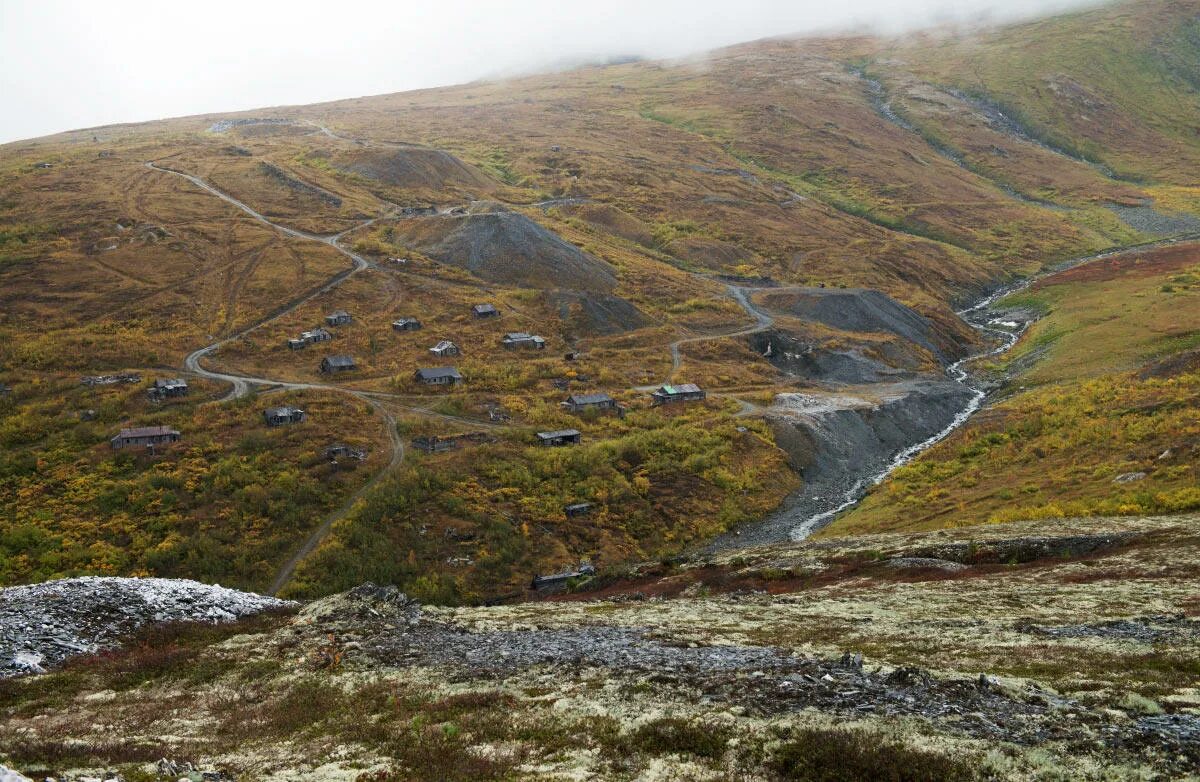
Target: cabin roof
{"x":683,"y":388}
{"x":588,"y":399}
{"x":558,"y":433}
{"x":436,"y":372}
{"x":146,"y":431}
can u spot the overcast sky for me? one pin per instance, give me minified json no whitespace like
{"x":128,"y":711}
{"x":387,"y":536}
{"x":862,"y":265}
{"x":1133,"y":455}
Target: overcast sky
{"x":67,"y":64}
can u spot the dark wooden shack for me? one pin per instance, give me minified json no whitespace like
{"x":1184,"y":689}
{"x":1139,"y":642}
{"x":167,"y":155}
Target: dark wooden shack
{"x":560,"y":437}
{"x":332,"y":365}
{"x":670,"y":394}
{"x":144,"y":437}
{"x":279,"y":416}
{"x":438,"y":376}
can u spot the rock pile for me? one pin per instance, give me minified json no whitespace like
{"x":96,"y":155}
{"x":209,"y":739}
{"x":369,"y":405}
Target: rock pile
{"x":43,"y":624}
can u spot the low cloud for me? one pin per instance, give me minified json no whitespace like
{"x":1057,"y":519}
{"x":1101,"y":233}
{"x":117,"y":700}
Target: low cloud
{"x":67,"y":64}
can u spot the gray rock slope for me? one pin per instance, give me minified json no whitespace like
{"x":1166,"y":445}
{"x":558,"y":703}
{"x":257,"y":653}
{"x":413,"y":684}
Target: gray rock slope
{"x":41,"y":625}
{"x":863,"y":310}
{"x":506,"y":247}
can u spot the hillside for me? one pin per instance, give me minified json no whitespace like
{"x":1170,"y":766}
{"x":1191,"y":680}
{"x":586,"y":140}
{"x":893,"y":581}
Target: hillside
{"x":1060,"y":650}
{"x":792,"y":226}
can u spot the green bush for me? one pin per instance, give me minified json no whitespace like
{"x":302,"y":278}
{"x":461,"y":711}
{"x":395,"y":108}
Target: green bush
{"x":840,"y":755}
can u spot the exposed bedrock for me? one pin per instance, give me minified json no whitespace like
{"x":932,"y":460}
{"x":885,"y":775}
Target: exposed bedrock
{"x":865,"y":311}
{"x":807,"y":358}
{"x":840,"y":444}
{"x":831,"y":439}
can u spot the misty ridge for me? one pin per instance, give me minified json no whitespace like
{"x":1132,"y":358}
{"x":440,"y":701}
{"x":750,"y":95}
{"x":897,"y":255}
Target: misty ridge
{"x":264,"y":58}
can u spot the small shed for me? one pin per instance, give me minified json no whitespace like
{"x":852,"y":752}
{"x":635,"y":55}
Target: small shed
{"x":519,"y":339}
{"x":279,"y":416}
{"x":343,"y":451}
{"x":316,"y":335}
{"x":559,"y":579}
{"x":686,"y":392}
{"x":438,"y":376}
{"x":445,"y":348}
{"x":576,"y":509}
{"x":331,"y":365}
{"x":485,"y":311}
{"x":560,"y":437}
{"x":144,"y":437}
{"x":577,"y":403}
{"x":406,"y":324}
{"x":339,"y":318}
{"x":170,"y":388}
{"x":297,"y":344}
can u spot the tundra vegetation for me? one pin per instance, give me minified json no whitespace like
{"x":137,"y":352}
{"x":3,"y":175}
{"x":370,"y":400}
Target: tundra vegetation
{"x":844,"y":162}
{"x":1022,"y":595}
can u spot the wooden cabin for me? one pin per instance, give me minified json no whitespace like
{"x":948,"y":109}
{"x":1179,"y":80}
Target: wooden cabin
{"x":560,"y":437}
{"x":144,"y":437}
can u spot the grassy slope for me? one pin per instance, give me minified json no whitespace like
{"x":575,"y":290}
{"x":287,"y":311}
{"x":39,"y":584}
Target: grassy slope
{"x":773,"y":160}
{"x":1115,"y":84}
{"x":1082,"y":413}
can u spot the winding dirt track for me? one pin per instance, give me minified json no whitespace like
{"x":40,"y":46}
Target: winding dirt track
{"x":241,"y":383}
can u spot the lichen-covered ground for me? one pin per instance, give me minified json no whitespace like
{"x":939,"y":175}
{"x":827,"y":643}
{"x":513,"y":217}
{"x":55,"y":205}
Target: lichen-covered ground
{"x":1061,"y":650}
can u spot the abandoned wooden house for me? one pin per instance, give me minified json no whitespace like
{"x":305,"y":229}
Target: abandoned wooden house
{"x":560,"y":437}
{"x":445,"y":348}
{"x":406,"y":324}
{"x":87,"y":415}
{"x":577,"y":509}
{"x":331,"y":365}
{"x":108,"y":380}
{"x":438,"y":376}
{"x":686,"y":392}
{"x":585,"y":570}
{"x":578,"y":403}
{"x":168,"y":389}
{"x":144,"y":437}
{"x":5,"y":389}
{"x":485,"y":311}
{"x":307,"y":338}
{"x":519,"y":339}
{"x":278,"y":416}
{"x":343,"y":451}
{"x":339,"y":318}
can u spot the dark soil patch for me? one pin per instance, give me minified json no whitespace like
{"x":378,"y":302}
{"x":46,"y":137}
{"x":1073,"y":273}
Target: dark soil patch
{"x":506,"y":247}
